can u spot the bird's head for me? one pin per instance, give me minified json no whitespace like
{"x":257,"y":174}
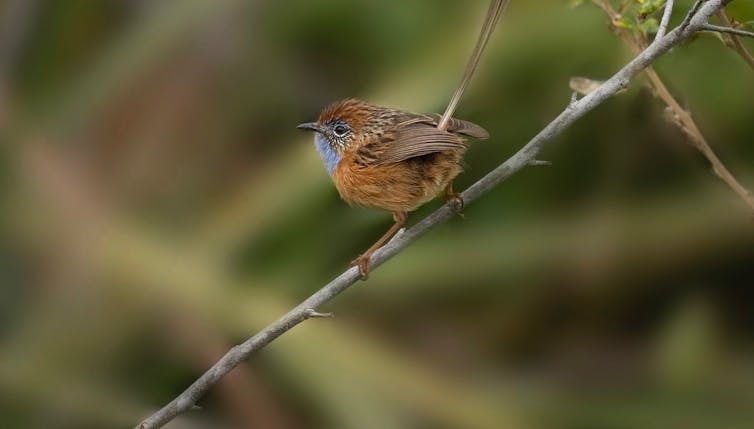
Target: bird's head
{"x":338,"y":127}
{"x":341,"y":123}
{"x":336,"y":132}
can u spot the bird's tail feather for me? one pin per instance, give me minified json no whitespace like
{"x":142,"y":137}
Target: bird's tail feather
{"x":494,"y":13}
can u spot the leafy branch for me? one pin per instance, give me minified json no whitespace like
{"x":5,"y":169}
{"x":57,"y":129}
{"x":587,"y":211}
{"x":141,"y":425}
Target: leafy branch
{"x":695,"y":21}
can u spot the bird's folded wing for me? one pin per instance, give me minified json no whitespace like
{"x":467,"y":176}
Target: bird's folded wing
{"x":417,"y":135}
{"x":457,"y":126}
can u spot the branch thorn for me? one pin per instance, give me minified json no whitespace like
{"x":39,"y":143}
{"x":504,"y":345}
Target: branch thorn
{"x":396,"y":235}
{"x":574,"y":99}
{"x":311,"y":313}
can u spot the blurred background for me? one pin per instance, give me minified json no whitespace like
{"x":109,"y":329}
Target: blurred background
{"x":158,"y":205}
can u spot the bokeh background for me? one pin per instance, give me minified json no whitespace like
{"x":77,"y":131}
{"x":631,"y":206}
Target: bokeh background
{"x":158,"y":205}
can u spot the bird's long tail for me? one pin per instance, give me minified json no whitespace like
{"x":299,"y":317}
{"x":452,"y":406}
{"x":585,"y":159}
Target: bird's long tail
{"x":494,"y":13}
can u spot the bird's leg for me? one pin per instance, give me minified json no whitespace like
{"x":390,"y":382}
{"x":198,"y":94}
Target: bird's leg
{"x":363,"y":261}
{"x":454,"y":199}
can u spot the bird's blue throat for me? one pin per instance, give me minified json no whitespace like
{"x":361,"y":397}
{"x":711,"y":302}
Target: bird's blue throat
{"x":329,"y":155}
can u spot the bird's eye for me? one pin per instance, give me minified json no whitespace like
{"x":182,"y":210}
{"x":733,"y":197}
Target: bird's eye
{"x":340,"y":130}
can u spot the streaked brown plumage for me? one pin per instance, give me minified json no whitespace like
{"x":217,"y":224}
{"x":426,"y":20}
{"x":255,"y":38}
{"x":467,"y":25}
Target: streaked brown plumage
{"x":388,"y":159}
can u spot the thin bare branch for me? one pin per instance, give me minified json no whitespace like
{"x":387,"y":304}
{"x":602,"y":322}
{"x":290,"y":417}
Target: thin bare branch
{"x":524,"y":157}
{"x":732,"y":41}
{"x":662,"y":29}
{"x":729,"y":30}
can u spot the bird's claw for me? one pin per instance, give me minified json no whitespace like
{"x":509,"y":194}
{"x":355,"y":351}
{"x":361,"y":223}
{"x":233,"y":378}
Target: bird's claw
{"x":363,"y":263}
{"x":455,"y":201}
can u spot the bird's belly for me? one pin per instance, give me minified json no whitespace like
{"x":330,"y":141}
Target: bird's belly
{"x":400,"y":186}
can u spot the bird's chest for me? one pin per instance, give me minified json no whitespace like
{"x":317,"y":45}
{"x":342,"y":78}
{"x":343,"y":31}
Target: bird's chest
{"x":396,"y":186}
{"x":401,"y":186}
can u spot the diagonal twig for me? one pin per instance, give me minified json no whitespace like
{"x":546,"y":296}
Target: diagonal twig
{"x":662,"y":29}
{"x":729,"y":30}
{"x":680,"y":116}
{"x":732,"y":41}
{"x":524,"y":157}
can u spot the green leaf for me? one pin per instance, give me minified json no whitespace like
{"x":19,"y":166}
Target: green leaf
{"x":648,"y":25}
{"x":625,"y":23}
{"x":649,"y":7}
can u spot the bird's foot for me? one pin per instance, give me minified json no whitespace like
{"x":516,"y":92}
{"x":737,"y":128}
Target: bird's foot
{"x":363,"y":263}
{"x":455,"y":201}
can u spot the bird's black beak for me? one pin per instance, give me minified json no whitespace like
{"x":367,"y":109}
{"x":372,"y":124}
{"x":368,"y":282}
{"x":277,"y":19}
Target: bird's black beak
{"x":311,"y":126}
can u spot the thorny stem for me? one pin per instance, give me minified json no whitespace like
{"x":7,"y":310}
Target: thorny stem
{"x":524,"y":157}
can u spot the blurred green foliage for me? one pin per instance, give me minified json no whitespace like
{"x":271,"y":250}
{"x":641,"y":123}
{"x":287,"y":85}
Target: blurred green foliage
{"x":158,"y":206}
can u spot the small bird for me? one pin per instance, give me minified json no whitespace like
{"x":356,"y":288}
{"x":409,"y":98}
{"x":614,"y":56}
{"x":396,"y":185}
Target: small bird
{"x":388,"y":159}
